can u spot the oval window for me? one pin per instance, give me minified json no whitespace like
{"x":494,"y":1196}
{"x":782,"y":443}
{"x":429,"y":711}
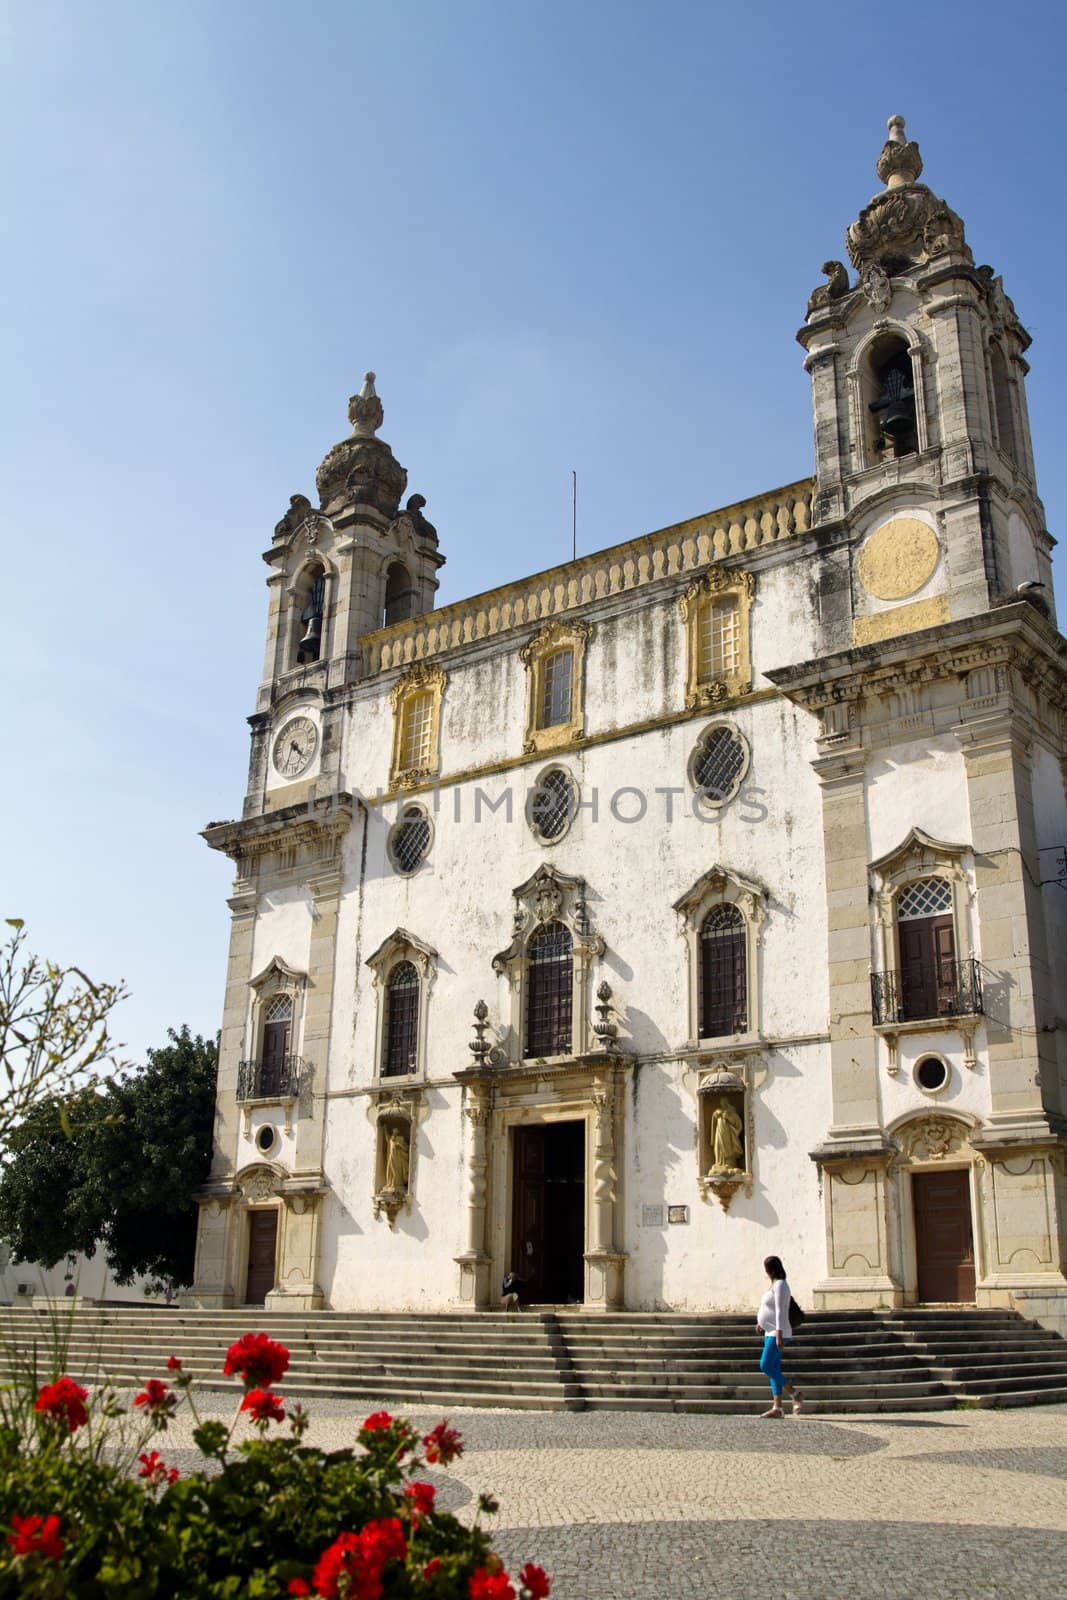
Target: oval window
{"x":718,"y":764}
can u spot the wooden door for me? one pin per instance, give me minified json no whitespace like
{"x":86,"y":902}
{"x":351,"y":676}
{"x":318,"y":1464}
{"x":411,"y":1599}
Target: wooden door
{"x":262,"y":1251}
{"x":944,"y":1238}
{"x":927,"y":967}
{"x":275,"y":1051}
{"x":528,"y":1213}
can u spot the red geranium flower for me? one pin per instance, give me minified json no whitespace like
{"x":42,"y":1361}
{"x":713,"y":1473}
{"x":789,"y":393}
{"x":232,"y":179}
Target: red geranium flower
{"x":490,"y":1586}
{"x":155,"y":1396}
{"x":259,"y":1360}
{"x":443,"y":1444}
{"x":155,"y":1468}
{"x":422,"y":1497}
{"x":376,"y":1420}
{"x":36,"y":1533}
{"x":431,"y":1567}
{"x":298,"y":1586}
{"x":173,"y":1364}
{"x":386,"y":1537}
{"x":264,"y":1406}
{"x":361,"y":1557}
{"x":535,"y":1581}
{"x":64,"y":1400}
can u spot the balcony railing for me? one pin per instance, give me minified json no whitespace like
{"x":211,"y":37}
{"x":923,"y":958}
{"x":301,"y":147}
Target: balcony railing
{"x":271,"y":1080}
{"x":955,"y":990}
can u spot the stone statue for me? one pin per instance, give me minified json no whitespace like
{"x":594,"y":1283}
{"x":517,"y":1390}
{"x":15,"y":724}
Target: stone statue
{"x":397,"y":1161}
{"x":835,"y":288}
{"x":727,"y":1151}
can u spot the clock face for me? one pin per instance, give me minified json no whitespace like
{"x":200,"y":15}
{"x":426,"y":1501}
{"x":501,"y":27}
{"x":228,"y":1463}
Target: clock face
{"x":295,"y":746}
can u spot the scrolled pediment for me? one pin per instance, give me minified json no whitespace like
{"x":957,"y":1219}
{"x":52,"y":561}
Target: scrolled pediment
{"x":403,"y":946}
{"x":723,"y":882}
{"x":278,"y":974}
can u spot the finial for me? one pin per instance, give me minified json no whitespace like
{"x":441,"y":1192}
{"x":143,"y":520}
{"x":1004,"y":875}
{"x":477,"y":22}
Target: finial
{"x":900,"y":162}
{"x":365,"y":411}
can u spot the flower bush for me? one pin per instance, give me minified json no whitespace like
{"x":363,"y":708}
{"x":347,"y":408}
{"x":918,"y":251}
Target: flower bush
{"x":88,"y":1510}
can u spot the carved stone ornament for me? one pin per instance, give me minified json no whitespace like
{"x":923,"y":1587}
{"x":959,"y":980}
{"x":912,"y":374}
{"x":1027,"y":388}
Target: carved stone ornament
{"x":835,"y":287}
{"x":362,"y":470}
{"x":258,"y":1184}
{"x":906,"y":225}
{"x":415,"y":679}
{"x":877,"y":289}
{"x":549,"y":896}
{"x":933,"y":1138}
{"x":412,"y":521}
{"x":723,"y":1185}
{"x":299,"y":509}
{"x":403,"y":946}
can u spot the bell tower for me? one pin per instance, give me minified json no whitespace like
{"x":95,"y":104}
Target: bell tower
{"x":921,"y":428}
{"x":340,"y":571}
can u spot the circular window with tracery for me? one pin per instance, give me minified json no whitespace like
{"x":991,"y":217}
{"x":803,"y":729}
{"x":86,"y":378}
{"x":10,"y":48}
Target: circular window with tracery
{"x":409,"y":839}
{"x":552,"y":805}
{"x":719,"y":763}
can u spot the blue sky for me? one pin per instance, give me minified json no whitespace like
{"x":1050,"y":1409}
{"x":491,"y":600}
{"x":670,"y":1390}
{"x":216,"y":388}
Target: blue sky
{"x":563,"y":236}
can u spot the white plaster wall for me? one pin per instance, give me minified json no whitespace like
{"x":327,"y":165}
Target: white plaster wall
{"x":921,"y":783}
{"x":1050,"y":819}
{"x":91,"y":1279}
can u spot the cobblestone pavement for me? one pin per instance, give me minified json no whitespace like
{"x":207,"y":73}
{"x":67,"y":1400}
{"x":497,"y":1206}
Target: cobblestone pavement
{"x":673,"y":1507}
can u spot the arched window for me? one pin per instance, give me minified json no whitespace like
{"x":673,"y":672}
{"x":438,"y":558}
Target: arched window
{"x":277,"y":1032}
{"x":927,"y":941}
{"x":401,"y":1021}
{"x":400,"y":596}
{"x":723,"y":973}
{"x":309,"y":606}
{"x":549,"y":991}
{"x":892,"y":403}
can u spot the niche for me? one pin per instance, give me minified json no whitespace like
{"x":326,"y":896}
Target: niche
{"x":400,"y":595}
{"x":889,"y":395}
{"x":392,"y":1177}
{"x":723,"y":1137}
{"x":309,"y":606}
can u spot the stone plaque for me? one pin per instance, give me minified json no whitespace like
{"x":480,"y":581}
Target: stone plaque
{"x":651,"y":1216}
{"x":677,"y":1213}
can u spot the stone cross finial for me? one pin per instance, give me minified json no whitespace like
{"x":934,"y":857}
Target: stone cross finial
{"x":900,"y":162}
{"x":365,"y":411}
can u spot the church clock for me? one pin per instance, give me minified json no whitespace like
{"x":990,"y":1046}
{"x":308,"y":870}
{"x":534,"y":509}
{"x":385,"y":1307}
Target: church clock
{"x":295,"y":746}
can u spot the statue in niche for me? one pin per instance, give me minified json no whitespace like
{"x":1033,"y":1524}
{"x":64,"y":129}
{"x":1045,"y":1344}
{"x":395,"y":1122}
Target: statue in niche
{"x":397,"y":1161}
{"x":727,"y":1149}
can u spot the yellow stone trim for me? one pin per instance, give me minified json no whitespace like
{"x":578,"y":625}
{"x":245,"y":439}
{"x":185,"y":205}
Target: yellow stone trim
{"x":718,"y":584}
{"x":551,"y":639}
{"x":898,"y":559}
{"x":492,"y":768}
{"x":902,"y":619}
{"x":685,"y":547}
{"x":419,"y":680}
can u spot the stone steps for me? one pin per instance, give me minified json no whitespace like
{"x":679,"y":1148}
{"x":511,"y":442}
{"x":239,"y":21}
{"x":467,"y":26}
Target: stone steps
{"x":554,"y":1360}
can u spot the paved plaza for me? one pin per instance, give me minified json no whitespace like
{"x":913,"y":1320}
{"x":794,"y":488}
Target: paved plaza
{"x":668,"y":1507}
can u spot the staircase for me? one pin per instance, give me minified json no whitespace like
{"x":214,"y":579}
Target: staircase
{"x":864,"y":1361}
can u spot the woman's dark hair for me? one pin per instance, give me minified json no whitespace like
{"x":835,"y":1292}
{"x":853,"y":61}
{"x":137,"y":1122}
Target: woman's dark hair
{"x":773,"y":1267}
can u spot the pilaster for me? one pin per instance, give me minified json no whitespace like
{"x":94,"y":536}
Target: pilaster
{"x":474,"y":1262}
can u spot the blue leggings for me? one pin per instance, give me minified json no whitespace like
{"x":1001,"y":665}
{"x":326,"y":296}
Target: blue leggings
{"x":771,"y":1364}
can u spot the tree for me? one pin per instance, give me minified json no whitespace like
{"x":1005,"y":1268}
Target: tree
{"x":53,"y":1029}
{"x":117,"y":1165}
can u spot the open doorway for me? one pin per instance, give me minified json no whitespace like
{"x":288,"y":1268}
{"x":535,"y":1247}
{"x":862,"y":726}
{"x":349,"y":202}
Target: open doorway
{"x":548,"y":1212}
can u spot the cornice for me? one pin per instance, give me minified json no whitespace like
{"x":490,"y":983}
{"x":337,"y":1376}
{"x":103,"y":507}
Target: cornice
{"x":316,"y":821}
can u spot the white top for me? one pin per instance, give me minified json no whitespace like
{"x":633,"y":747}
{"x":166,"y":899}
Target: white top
{"x":773,"y":1314}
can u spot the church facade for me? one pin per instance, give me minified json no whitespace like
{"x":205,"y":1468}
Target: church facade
{"x":700,"y":898}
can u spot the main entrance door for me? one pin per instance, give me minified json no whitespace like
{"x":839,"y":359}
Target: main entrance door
{"x":548,"y":1212}
{"x":944,"y":1238}
{"x":262,"y":1253}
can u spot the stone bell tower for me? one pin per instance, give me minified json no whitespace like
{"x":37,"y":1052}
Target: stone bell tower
{"x":921,"y":426}
{"x":355,"y":564}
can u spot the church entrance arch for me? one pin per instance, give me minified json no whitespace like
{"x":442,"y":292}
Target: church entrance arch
{"x":548,"y":1211}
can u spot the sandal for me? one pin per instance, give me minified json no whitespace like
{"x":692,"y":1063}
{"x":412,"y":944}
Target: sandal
{"x":775,"y":1411}
{"x":798,"y":1402}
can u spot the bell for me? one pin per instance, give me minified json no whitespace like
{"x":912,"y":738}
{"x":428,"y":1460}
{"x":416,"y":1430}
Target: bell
{"x":895,"y":414}
{"x":310,"y":644}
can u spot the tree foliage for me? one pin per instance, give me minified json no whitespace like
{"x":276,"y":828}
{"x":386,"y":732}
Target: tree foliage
{"x":118,"y":1165}
{"x":53,"y":1029}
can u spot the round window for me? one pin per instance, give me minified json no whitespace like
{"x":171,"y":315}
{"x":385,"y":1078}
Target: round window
{"x":931,"y":1074}
{"x":266,"y":1139}
{"x":409,"y":839}
{"x":718,"y":764}
{"x":551,"y":807}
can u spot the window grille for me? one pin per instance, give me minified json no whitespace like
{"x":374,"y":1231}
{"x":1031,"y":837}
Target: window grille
{"x":280,"y":1009}
{"x":723,"y":976}
{"x":930,"y":897}
{"x":557,"y":673}
{"x":549,"y":991}
{"x":552,"y":805}
{"x":417,"y":713}
{"x":719,"y":641}
{"x":401,"y":1020}
{"x":410,"y":840}
{"x":720,"y":764}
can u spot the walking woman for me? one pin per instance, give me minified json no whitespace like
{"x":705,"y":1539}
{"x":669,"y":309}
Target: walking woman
{"x":772,"y":1320}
